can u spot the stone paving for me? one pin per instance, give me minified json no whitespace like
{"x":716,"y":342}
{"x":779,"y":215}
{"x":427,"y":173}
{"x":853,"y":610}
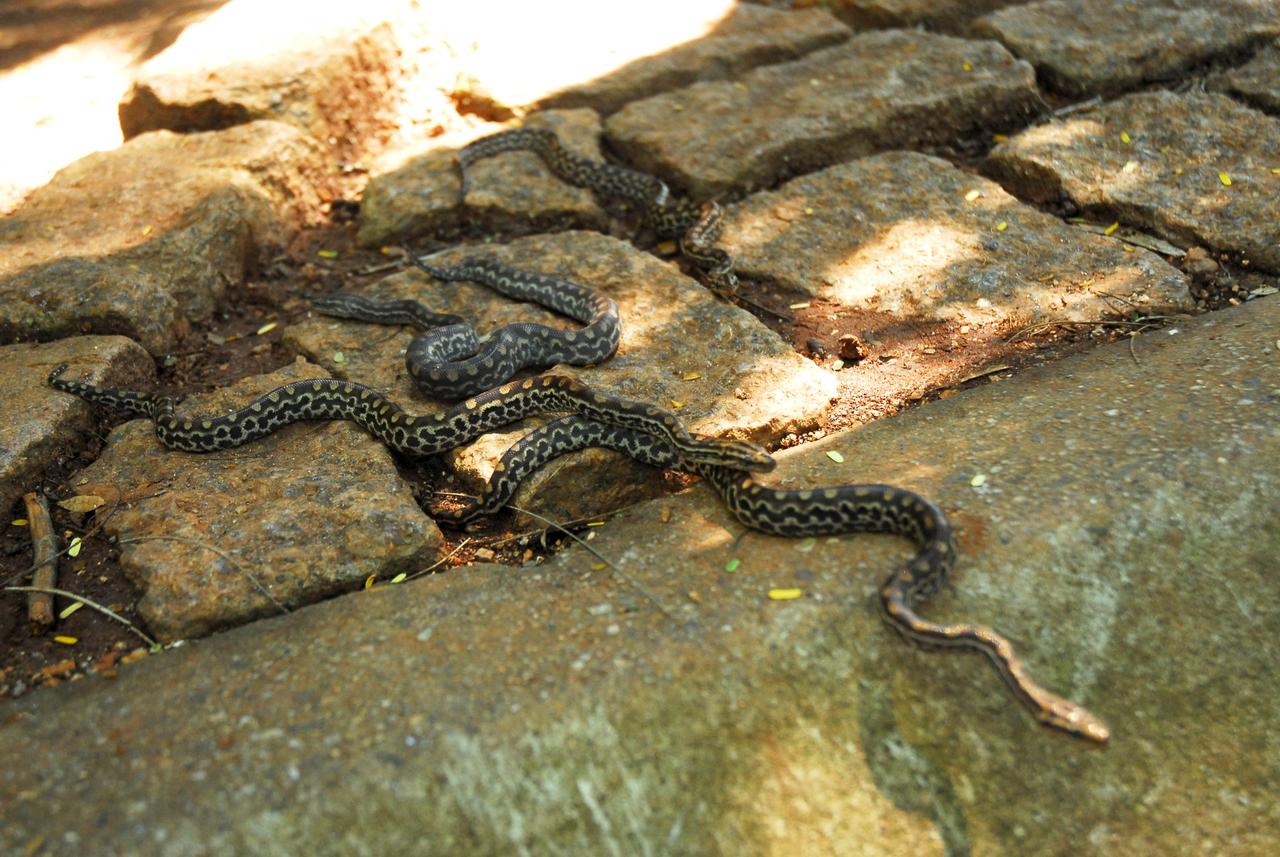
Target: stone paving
{"x":1113,"y":509}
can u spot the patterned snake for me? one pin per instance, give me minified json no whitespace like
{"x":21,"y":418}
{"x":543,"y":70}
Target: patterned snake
{"x":696,"y":225}
{"x":448,"y":361}
{"x":649,"y":435}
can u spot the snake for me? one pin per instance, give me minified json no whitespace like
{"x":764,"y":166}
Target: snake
{"x":696,"y":225}
{"x":449,"y":361}
{"x":649,"y":435}
{"x":833,"y":510}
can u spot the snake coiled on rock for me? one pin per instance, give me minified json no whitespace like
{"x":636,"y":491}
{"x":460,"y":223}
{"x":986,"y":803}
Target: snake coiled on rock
{"x":448,"y":360}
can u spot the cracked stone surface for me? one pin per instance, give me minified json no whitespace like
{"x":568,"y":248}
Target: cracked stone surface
{"x":43,"y":425}
{"x":715,"y":365}
{"x":560,"y":707}
{"x":1257,"y":81}
{"x":1171,"y":178}
{"x":220,"y":539}
{"x":142,"y":239}
{"x":879,"y":90}
{"x":1090,"y":46}
{"x":899,"y":233}
{"x":513,"y":191}
{"x":748,"y":36}
{"x":336,"y":81}
{"x":946,"y":15}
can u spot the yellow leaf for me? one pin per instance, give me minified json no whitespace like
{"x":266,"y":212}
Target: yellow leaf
{"x":966,"y":65}
{"x":676,"y":405}
{"x":327,"y":254}
{"x":999,"y":138}
{"x":1125,"y":138}
{"x":67,"y":611}
{"x":368,"y":581}
{"x":1002,"y":226}
{"x":692,"y":376}
{"x":978,"y":480}
{"x":66,"y":641}
{"x":19,"y":522}
{"x":1112,"y":228}
{"x":835,"y":456}
{"x":399,"y":578}
{"x":785,"y":594}
{"x":266,"y":328}
{"x":81,"y":503}
{"x":598,"y":566}
{"x":1225,"y":179}
{"x":74,"y":549}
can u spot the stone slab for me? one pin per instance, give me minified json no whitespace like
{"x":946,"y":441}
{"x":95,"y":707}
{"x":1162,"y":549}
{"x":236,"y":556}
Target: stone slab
{"x":217,"y":540}
{"x":45,"y":428}
{"x":912,"y":236}
{"x":1105,"y":46}
{"x":1124,"y":538}
{"x":1171,"y":175}
{"x":879,"y":90}
{"x":335,"y":73}
{"x":746,"y":37}
{"x":950,"y":16}
{"x":144,"y":238}
{"x":514,"y":191}
{"x":715,"y":365}
{"x":1257,"y":82}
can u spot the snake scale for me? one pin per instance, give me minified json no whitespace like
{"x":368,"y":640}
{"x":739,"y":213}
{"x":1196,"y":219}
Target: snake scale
{"x":695,"y":225}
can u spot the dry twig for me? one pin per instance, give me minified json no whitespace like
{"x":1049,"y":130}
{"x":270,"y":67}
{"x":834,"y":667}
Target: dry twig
{"x":44,"y":547}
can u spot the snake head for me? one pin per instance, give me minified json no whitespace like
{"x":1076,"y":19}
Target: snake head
{"x":729,"y":452}
{"x":1065,"y":716}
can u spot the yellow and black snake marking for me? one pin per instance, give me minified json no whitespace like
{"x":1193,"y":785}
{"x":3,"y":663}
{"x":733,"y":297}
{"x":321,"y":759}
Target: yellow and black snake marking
{"x":696,"y":225}
{"x":448,"y":361}
{"x":333,"y":399}
{"x":811,"y":512}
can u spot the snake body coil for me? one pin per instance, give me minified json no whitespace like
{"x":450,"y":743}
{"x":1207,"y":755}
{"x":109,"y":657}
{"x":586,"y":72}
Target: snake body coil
{"x":449,"y":361}
{"x":696,"y":225}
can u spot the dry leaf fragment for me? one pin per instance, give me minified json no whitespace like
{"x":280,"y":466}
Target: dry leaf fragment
{"x":81,"y":503}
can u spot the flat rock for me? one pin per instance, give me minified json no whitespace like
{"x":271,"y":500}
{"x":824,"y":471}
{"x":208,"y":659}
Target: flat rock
{"x":1091,"y":46}
{"x":44,"y":426}
{"x":951,"y":16}
{"x":218,"y":540}
{"x":564,"y":709}
{"x":879,"y":90}
{"x":144,"y":238}
{"x":747,"y":36}
{"x":543,"y":50}
{"x":911,"y":236}
{"x":334,"y":73}
{"x":1257,"y":81}
{"x":1169,"y":179}
{"x":715,"y":365}
{"x":513,"y":191}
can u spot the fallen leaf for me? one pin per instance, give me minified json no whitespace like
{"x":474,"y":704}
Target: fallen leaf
{"x":81,"y":503}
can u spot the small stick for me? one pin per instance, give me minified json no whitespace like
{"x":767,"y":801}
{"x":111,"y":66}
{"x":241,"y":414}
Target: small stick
{"x":44,"y":545}
{"x":92,"y":605}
